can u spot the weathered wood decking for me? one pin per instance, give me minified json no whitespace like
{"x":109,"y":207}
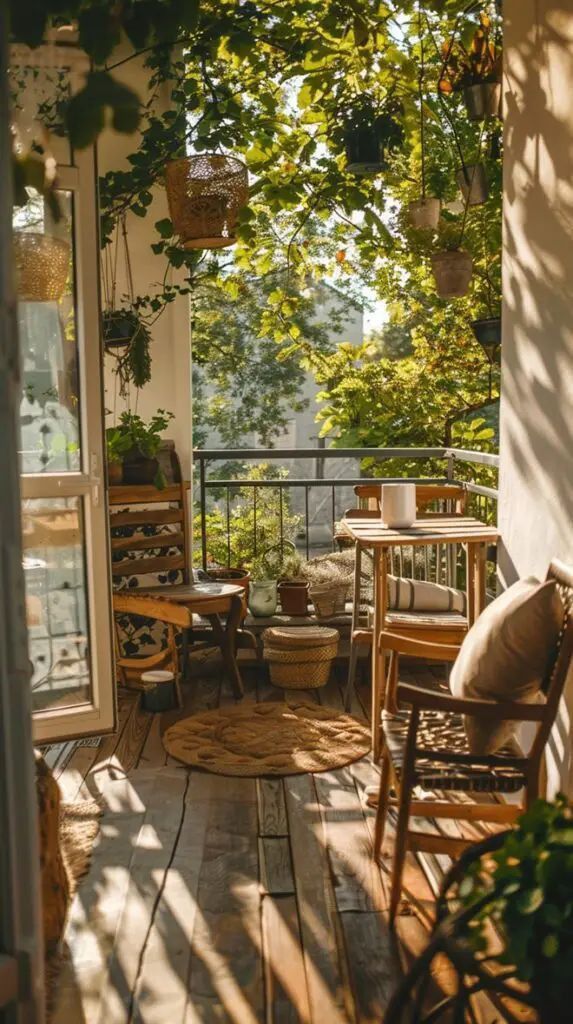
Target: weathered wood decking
{"x":222,"y":899}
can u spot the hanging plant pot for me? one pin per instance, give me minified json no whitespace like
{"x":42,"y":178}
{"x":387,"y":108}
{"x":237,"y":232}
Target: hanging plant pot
{"x":363,"y":151}
{"x":138,"y":468}
{"x":488,"y":332}
{"x":452,"y":271}
{"x":482,"y":100}
{"x":205,"y":194}
{"x":424,"y":214}
{"x":472,"y":180}
{"x":42,"y":266}
{"x":119,"y":328}
{"x":371,"y":137}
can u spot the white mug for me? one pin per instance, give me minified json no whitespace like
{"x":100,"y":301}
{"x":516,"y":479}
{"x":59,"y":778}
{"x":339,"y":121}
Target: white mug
{"x":398,"y":503}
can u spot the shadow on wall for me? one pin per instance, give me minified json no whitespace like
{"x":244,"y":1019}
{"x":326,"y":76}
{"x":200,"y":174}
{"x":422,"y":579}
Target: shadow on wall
{"x":536,"y":500}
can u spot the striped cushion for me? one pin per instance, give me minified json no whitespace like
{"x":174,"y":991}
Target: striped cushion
{"x":423,"y":596}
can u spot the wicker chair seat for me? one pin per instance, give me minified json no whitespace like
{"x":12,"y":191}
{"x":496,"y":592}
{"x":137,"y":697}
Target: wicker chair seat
{"x":444,"y":732}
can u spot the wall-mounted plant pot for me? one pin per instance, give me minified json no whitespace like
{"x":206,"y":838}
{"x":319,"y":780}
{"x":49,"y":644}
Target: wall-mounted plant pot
{"x":205,"y":193}
{"x":364,"y":156}
{"x":424,"y":214}
{"x":238,"y":577}
{"x":42,"y":266}
{"x":293,"y":596}
{"x":138,"y":469}
{"x":263,"y":598}
{"x":114,"y":473}
{"x":488,"y":333}
{"x":482,"y":100}
{"x":472,"y":180}
{"x":452,"y":271}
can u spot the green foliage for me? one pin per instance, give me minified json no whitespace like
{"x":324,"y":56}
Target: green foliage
{"x":127,"y":337}
{"x":527,"y":892}
{"x":253,"y":526}
{"x":133,"y":434}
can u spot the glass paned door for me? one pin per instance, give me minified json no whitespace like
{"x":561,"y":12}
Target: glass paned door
{"x":64,"y":526}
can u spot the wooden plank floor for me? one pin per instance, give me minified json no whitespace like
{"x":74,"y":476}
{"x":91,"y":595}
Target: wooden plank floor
{"x":214,"y":899}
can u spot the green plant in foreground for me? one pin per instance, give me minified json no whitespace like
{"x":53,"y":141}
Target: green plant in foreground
{"x":526,"y":890}
{"x":134,"y":435}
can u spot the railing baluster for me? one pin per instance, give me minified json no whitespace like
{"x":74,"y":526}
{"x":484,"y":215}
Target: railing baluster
{"x":306,"y":522}
{"x":333,"y":516}
{"x":281,"y":523}
{"x":228,"y":492}
{"x":203,"y":507}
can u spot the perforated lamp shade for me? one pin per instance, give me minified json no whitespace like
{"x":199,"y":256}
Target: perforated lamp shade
{"x":42,"y":264}
{"x":205,"y":193}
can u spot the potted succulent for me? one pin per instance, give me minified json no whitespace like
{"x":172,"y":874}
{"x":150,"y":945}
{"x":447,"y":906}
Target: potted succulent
{"x":475,"y":70}
{"x":371,"y":135}
{"x":138,"y":444}
{"x":452,"y":266}
{"x":293,"y":588}
{"x":521,"y":883}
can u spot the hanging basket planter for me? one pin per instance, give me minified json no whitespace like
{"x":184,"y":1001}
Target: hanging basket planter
{"x":482,"y":100}
{"x":370,"y":137}
{"x":472,"y":180}
{"x":424,"y":214}
{"x":205,"y":193}
{"x":42,"y":266}
{"x":488,"y":333}
{"x":452,"y":271}
{"x":119,"y":326}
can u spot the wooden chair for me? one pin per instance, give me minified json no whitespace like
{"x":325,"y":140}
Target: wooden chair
{"x":426,"y":746}
{"x":447,"y":627}
{"x":151,"y":561}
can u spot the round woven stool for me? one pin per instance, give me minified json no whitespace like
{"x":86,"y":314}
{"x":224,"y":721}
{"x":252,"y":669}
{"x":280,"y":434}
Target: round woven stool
{"x":300,"y":658}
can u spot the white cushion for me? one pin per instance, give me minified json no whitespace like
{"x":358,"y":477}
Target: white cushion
{"x":421,"y":596}
{"x":506,"y":655}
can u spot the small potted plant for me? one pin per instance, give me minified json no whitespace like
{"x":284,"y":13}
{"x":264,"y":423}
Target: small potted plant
{"x":370,"y":135}
{"x":236,"y":575}
{"x":139,"y":442}
{"x":452,"y":266}
{"x":117,"y":446}
{"x":475,"y":70}
{"x":293,"y":588}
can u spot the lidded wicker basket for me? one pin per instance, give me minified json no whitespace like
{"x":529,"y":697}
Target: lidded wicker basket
{"x":205,"y":193}
{"x":300,"y":658}
{"x":42,"y":265}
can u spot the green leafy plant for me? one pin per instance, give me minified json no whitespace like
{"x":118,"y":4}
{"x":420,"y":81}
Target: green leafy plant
{"x":133,"y":436}
{"x":474,"y":63}
{"x":127,"y":337}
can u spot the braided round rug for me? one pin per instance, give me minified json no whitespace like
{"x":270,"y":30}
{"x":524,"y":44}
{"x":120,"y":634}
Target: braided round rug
{"x":268,"y":739}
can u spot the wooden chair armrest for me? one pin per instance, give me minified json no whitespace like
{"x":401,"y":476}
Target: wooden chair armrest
{"x":159,"y":608}
{"x":418,"y":648}
{"x":429,"y":700}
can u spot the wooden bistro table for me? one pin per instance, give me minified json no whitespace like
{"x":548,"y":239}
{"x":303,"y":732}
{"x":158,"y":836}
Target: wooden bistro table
{"x":374,"y":535}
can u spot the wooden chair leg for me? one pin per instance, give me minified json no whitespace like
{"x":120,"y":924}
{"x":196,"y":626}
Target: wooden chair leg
{"x":382,"y":809}
{"x":400,"y":846}
{"x":391,"y":704}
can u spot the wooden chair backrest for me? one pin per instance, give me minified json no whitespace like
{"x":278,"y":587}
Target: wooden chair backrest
{"x":452,"y":498}
{"x":161,"y":530}
{"x":554,"y":685}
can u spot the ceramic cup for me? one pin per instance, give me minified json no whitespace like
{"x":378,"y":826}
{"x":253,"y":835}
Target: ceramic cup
{"x":398,"y":503}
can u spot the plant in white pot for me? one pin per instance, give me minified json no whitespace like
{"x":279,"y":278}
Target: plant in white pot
{"x":452,"y":266}
{"x":423,"y":213}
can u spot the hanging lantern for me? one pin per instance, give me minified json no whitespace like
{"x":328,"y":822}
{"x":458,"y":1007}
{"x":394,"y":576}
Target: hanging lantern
{"x":205,"y":193}
{"x":42,"y":266}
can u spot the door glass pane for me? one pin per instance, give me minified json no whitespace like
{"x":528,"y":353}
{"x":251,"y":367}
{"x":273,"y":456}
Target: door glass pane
{"x":56,"y":601}
{"x":49,"y":412}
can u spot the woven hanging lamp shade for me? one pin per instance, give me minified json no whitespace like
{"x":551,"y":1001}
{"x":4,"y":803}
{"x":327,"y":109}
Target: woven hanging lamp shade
{"x":42,"y":266}
{"x":205,"y":194}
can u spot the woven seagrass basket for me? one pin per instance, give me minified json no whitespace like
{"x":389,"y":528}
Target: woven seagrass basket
{"x":205,"y":193}
{"x":300,"y":659}
{"x":42,"y":266}
{"x":329,"y":598}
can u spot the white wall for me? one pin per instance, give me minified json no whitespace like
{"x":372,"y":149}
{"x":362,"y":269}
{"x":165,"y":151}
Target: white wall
{"x":536,"y":501}
{"x":170,"y":385}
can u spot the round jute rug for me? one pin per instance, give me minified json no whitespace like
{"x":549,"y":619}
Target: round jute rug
{"x":268,"y":739}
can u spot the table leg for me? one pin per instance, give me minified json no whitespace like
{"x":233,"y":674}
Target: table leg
{"x":226,"y":639}
{"x":480,"y":578}
{"x":378,"y":656}
{"x":471,"y":581}
{"x":353,"y":659}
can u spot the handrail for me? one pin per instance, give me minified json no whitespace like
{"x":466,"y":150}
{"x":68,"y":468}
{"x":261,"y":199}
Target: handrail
{"x":273,"y":454}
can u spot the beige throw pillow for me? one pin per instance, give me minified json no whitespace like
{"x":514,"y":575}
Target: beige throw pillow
{"x":424,"y":596}
{"x":506,"y":655}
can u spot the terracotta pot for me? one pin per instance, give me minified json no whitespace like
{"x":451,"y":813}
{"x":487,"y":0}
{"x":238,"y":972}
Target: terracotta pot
{"x":114,"y":473}
{"x":240,"y":577}
{"x":482,"y":100}
{"x":138,"y":469}
{"x":472,"y":180}
{"x":263,"y":598}
{"x":452,"y":271}
{"x":424,"y":214}
{"x":293,"y":597}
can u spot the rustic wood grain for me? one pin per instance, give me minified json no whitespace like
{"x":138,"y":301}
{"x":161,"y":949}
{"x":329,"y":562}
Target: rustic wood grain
{"x":275,"y":866}
{"x":285,"y":977}
{"x":373,"y":963}
{"x":272,"y":807}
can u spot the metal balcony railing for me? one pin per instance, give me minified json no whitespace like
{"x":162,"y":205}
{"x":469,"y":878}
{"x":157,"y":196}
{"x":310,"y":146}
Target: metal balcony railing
{"x":317,"y":499}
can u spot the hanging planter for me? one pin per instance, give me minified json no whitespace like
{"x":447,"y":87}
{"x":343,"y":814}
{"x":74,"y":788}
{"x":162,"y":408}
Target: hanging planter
{"x":488,"y":333}
{"x":205,"y":193}
{"x":482,"y":99}
{"x":475,"y":71}
{"x":42,"y":266}
{"x":472,"y":180}
{"x":119,"y":327}
{"x":371,"y":137}
{"x":424,"y":214}
{"x":452,"y":271}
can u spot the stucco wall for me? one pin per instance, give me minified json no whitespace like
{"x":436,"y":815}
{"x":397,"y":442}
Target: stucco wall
{"x":536,"y":504}
{"x":170,"y":385}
